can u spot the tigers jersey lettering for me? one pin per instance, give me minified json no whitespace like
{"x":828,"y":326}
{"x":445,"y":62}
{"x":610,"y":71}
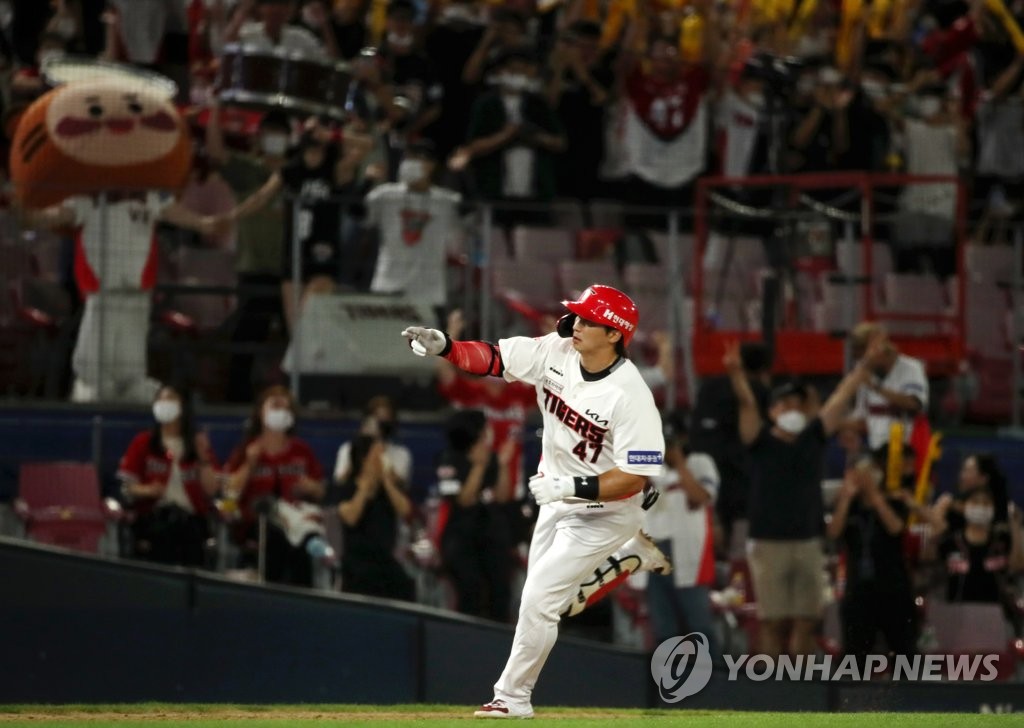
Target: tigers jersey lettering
{"x":590,"y":427}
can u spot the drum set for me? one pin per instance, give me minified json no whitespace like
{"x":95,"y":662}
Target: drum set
{"x":284,"y":80}
{"x":250,"y":78}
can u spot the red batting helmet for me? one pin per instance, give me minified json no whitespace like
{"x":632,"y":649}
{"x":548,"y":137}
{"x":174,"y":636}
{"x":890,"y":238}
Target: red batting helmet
{"x":604,"y":305}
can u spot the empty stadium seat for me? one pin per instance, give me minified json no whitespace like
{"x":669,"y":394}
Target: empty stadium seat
{"x":984,"y":317}
{"x":206,"y":267}
{"x":61,"y":505}
{"x":972,"y":628}
{"x":575,"y":275}
{"x":989,"y":262}
{"x":650,"y":278}
{"x":537,"y":245}
{"x":914,"y":293}
{"x":525,"y":288}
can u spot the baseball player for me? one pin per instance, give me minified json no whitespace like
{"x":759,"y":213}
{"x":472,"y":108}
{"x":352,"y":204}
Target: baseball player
{"x":602,"y":440}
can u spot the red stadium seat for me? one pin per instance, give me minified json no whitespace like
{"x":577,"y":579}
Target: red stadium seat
{"x":537,"y":245}
{"x":61,"y":505}
{"x":970,"y":629}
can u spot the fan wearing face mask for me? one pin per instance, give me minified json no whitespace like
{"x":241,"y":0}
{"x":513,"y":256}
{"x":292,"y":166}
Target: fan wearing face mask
{"x":786,"y":455}
{"x":982,"y":555}
{"x":273,"y":466}
{"x":513,"y":138}
{"x":415,"y":220}
{"x":168,"y":475}
{"x":936,"y":141}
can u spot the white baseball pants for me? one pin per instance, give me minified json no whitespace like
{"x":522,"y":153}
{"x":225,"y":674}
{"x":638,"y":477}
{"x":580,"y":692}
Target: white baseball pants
{"x":570,"y":540}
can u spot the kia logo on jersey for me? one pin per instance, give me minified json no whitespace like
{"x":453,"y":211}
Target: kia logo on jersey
{"x":597,"y":418}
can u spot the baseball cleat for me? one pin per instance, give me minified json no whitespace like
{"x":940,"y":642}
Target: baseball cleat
{"x":498,"y":708}
{"x":651,"y":557}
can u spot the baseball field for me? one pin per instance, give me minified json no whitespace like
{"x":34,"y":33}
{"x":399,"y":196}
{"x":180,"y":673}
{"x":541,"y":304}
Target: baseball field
{"x":299,"y":716}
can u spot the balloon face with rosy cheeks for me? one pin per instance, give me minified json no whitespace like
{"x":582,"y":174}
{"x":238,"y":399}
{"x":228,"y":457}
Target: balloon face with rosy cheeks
{"x":91,"y":136}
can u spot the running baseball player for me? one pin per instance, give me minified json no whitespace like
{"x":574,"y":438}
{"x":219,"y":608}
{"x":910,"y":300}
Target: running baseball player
{"x":602,"y":440}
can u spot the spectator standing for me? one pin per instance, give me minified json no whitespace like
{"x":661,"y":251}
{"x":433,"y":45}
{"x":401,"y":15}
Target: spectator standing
{"x":897,"y":391}
{"x":450,"y":44}
{"x":714,"y":430}
{"x":476,"y":542}
{"x":270,"y":465}
{"x":169,"y":474}
{"x":513,"y":138}
{"x":936,"y":143}
{"x":272,"y":30}
{"x":786,"y":519}
{"x":318,"y":181}
{"x":259,"y":237}
{"x":681,"y":524}
{"x":870,"y":524}
{"x":415,"y":84}
{"x":579,"y":90}
{"x":372,"y":501}
{"x":506,"y":32}
{"x":416,"y":221}
{"x":663,"y":117}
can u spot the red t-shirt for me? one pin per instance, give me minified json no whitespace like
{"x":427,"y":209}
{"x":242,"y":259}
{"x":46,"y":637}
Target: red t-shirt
{"x":144,"y":466}
{"x":276,"y":475}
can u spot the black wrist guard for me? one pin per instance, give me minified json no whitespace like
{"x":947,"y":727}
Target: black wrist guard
{"x":447,"y":344}
{"x":586,"y":487}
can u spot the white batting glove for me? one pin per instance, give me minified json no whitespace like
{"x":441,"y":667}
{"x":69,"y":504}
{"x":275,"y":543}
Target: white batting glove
{"x":551,"y":488}
{"x":424,"y":341}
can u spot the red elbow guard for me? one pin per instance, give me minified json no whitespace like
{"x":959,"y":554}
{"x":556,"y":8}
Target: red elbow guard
{"x":476,"y":357}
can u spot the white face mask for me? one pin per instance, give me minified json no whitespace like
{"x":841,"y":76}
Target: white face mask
{"x":515,"y":82}
{"x":979,"y":515}
{"x":756,"y":100}
{"x":399,"y":40}
{"x":793,"y":422}
{"x":166,"y":411}
{"x":874,"y":90}
{"x":411,"y":171}
{"x":274,"y":144}
{"x":928,"y":106}
{"x":278,"y":419}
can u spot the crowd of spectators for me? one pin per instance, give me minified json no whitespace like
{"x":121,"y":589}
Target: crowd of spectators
{"x":519,"y":103}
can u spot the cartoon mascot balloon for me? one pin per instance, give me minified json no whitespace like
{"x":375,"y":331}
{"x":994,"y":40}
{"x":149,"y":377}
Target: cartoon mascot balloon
{"x":104,"y":154}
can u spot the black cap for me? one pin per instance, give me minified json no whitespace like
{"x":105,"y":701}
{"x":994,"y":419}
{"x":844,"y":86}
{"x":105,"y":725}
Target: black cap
{"x":792,"y":388}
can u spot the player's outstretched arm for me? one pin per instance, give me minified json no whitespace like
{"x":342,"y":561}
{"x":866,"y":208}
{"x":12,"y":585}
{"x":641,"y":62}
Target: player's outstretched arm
{"x":474,"y":357}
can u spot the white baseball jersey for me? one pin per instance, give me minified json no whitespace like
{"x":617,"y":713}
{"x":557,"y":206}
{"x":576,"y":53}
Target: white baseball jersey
{"x":689,"y":529}
{"x":414,"y":232}
{"x":907,"y":376}
{"x":589,"y":427}
{"x":118,"y":248}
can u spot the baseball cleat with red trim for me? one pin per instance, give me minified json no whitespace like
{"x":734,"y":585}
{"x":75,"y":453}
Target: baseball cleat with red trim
{"x":498,"y":708}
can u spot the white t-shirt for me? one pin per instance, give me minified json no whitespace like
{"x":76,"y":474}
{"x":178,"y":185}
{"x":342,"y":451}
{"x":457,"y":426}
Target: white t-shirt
{"x":740,"y":121}
{"x":689,"y":529}
{"x":907,"y":376}
{"x":118,"y":250}
{"x":589,"y":427}
{"x":293,"y":38}
{"x":414,"y":233}
{"x":398,"y":456}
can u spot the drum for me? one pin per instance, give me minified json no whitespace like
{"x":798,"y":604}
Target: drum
{"x":68,"y":69}
{"x":282,"y":80}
